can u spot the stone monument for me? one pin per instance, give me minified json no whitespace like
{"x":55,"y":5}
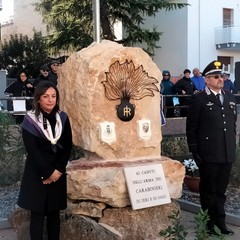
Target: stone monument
{"x":111,"y":94}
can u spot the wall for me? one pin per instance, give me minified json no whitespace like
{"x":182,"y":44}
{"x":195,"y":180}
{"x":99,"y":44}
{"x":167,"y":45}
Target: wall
{"x":188,"y":38}
{"x":172,"y":55}
{"x":25,"y":19}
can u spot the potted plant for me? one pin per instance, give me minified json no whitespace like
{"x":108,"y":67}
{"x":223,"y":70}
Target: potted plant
{"x":192,"y":178}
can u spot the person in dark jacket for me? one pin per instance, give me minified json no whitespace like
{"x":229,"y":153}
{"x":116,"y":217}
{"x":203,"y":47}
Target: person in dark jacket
{"x":211,"y":136}
{"x":167,"y":88}
{"x":43,"y":76}
{"x":54,"y":66}
{"x":21,"y":88}
{"x":185,"y":86}
{"x":228,"y":84}
{"x":47,"y":138}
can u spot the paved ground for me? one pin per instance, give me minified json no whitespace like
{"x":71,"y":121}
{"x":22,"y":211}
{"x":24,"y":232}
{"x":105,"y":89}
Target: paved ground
{"x":8,"y":234}
{"x":187,"y":219}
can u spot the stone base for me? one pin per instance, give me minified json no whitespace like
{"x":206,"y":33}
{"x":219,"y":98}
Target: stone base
{"x":104,"y":181}
{"x":99,"y":205}
{"x":116,"y":224}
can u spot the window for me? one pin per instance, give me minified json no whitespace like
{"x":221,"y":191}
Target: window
{"x":227,"y":17}
{"x":227,"y":63}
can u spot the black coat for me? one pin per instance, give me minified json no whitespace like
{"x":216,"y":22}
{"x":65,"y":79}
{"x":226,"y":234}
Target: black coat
{"x":40,"y":164}
{"x":211,"y":127}
{"x":53,"y":77}
{"x":42,"y":78}
{"x":188,"y":86}
{"x":20,"y":89}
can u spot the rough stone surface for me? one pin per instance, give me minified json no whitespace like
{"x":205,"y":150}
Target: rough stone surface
{"x":77,"y":227}
{"x":91,"y":209}
{"x":20,"y":220}
{"x":73,"y":227}
{"x":83,"y":98}
{"x":104,"y":181}
{"x":153,"y":220}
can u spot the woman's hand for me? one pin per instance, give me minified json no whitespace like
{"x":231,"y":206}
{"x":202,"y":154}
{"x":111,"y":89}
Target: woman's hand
{"x":47,"y":181}
{"x":53,"y":178}
{"x":29,"y":85}
{"x":55,"y":175}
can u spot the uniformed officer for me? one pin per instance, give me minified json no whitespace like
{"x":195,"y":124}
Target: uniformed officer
{"x":211,"y":136}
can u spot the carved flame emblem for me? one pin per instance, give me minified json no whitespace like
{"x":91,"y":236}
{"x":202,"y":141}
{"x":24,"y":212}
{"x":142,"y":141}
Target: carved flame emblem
{"x":125,"y":82}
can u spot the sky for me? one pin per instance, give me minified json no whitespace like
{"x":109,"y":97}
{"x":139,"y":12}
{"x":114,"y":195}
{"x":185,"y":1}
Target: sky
{"x":7,"y":10}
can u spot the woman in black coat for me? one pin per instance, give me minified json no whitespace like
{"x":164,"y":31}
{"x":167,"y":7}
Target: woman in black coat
{"x":21,"y":88}
{"x":48,"y":141}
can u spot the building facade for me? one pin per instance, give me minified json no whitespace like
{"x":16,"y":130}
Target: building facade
{"x":197,"y":34}
{"x":24,"y":20}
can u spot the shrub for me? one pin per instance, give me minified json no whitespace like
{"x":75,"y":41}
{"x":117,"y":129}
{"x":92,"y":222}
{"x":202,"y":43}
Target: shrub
{"x":12,"y":151}
{"x":175,"y":147}
{"x":177,"y":231}
{"x":235,"y":174}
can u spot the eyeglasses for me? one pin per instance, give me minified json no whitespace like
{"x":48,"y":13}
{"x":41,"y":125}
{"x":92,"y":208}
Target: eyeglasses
{"x":216,"y":76}
{"x":45,"y":70}
{"x":166,"y":75}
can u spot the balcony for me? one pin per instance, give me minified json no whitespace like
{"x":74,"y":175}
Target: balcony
{"x":227,"y":38}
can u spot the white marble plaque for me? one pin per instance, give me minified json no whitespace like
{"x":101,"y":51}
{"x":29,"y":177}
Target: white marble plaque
{"x":147,"y":186}
{"x":144,"y":129}
{"x":107,"y":132}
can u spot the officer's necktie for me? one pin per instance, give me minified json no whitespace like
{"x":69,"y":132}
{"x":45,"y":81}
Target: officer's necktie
{"x":219,"y":98}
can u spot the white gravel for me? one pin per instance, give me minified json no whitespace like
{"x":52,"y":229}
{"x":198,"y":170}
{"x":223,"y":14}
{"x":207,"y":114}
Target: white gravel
{"x":8,"y":199}
{"x":232,"y":204}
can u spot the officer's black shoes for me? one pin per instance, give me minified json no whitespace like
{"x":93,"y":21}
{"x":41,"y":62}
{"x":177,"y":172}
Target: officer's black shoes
{"x":226,"y":231}
{"x":223,"y":230}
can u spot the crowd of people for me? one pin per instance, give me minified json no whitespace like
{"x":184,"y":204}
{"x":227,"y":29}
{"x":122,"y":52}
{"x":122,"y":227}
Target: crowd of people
{"x":23,"y":87}
{"x":176,"y":106}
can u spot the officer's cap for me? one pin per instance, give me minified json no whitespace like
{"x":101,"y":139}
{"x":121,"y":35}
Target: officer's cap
{"x":215,"y":67}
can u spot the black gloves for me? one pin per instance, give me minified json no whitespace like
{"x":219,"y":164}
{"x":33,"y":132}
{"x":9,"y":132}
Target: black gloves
{"x":197,"y":159}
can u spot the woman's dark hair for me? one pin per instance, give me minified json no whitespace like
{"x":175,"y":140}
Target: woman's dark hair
{"x":20,"y":72}
{"x":40,"y":89}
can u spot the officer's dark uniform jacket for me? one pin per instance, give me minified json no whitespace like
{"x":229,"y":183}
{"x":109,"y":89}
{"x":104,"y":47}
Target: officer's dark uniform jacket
{"x":215,"y":138}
